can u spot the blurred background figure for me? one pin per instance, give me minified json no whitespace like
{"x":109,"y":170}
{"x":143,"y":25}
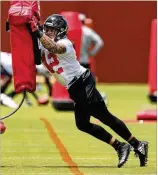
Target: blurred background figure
{"x":89,"y":38}
{"x":41,"y":71}
{"x":91,"y":44}
{"x":6,"y":80}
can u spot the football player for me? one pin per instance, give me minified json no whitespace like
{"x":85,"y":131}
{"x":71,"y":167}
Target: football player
{"x":59,"y":57}
{"x":5,"y":80}
{"x":89,"y":38}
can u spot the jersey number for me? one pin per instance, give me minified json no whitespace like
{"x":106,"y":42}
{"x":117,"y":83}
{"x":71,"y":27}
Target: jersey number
{"x":50,"y":66}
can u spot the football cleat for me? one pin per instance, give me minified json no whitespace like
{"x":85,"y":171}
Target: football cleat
{"x":7,"y":101}
{"x":142,"y":152}
{"x":123,"y":152}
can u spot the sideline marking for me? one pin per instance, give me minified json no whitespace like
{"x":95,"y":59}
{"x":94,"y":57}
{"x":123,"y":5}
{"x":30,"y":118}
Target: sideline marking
{"x":62,"y":150}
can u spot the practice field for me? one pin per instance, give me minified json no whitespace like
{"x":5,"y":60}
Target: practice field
{"x":42,"y":141}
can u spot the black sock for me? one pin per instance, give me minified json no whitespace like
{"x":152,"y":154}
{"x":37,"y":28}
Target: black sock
{"x":116,"y":144}
{"x":5,"y":87}
{"x":12,"y":94}
{"x":134,"y":142}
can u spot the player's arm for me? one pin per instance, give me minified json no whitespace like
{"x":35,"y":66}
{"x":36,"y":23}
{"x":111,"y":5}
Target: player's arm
{"x":52,"y":46}
{"x":48,"y":43}
{"x":97,"y":41}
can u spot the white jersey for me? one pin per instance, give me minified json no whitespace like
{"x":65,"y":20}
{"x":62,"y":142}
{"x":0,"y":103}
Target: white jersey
{"x":63,"y":66}
{"x":89,"y":37}
{"x":6,"y":61}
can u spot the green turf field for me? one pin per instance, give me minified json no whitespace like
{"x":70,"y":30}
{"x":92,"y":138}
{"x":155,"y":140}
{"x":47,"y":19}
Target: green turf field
{"x":28,"y":148}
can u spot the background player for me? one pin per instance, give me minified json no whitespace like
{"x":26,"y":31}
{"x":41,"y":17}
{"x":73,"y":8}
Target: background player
{"x":89,"y":38}
{"x":6,"y":80}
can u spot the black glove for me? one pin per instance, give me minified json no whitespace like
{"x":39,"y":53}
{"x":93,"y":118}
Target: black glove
{"x":36,"y":32}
